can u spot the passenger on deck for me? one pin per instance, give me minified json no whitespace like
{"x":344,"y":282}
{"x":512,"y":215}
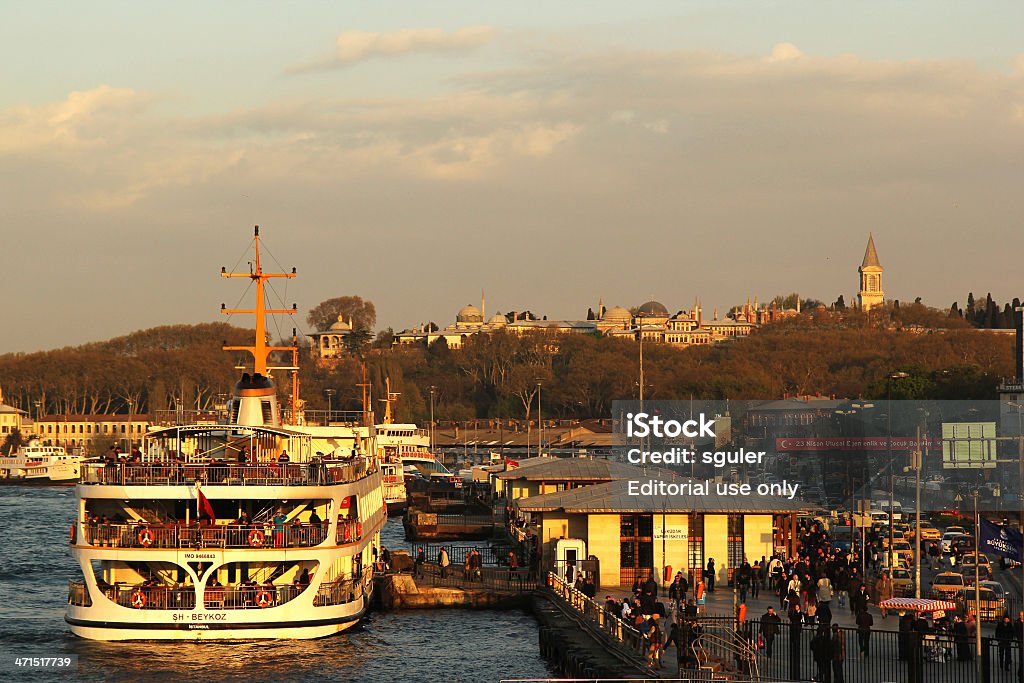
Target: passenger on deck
{"x":213,"y":582}
{"x":303,"y":579}
{"x":284,"y":457}
{"x":242,"y":457}
{"x":314,"y":518}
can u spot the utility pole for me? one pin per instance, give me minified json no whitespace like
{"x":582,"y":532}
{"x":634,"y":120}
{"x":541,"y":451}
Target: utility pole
{"x":918,"y":462}
{"x":432,"y":390}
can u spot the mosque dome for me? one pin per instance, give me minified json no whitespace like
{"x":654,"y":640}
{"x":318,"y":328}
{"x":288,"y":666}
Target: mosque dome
{"x":469,"y":314}
{"x":497,"y":319}
{"x":341,"y":325}
{"x":652,"y":308}
{"x":617,"y":314}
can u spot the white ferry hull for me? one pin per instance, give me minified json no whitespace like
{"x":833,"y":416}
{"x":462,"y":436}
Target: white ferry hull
{"x":201,"y":625}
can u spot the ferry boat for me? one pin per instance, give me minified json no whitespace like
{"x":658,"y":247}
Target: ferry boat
{"x":405,"y":455}
{"x":245,"y":529}
{"x":36,"y":464}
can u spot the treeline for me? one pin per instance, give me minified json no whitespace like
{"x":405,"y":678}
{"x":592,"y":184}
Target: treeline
{"x":844,"y":353}
{"x":841,"y":353}
{"x":140,"y":372}
{"x":986,"y":314}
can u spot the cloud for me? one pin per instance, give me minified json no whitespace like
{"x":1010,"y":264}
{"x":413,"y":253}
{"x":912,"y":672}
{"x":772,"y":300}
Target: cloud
{"x":610,"y":157}
{"x":353,"y":47}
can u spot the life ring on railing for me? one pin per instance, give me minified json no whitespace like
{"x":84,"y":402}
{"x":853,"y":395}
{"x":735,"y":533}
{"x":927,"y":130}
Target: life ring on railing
{"x":257,"y":538}
{"x":145,"y":538}
{"x":359,"y":530}
{"x":264,"y":599}
{"x":138,"y":599}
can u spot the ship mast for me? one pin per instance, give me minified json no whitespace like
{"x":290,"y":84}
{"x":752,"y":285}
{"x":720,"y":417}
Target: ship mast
{"x":260,"y":350}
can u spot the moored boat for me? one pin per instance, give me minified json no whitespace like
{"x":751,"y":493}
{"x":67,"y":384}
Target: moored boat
{"x":38,"y":464}
{"x":238,"y":530}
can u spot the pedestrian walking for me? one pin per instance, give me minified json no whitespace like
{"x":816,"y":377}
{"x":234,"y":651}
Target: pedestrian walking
{"x":770,"y":625}
{"x":443,"y":562}
{"x":838,"y":654}
{"x":864,"y":623}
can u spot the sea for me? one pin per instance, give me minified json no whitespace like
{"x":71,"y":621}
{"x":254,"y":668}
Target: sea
{"x":413,"y":645}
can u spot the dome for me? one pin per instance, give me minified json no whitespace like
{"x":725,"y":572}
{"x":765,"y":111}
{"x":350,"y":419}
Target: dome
{"x":469,"y":314}
{"x":497,"y":319}
{"x":617,"y":314}
{"x":341,"y":325}
{"x":652,"y":308}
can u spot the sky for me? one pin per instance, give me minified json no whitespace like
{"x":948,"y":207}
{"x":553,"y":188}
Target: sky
{"x":550,"y":154}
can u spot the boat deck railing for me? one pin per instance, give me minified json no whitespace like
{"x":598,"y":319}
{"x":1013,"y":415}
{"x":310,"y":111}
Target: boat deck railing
{"x":219,"y":473}
{"x":233,"y":536}
{"x":260,"y":596}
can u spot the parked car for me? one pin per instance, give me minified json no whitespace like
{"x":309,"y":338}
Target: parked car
{"x":964,"y":543}
{"x":947,"y":540}
{"x":902,"y":582}
{"x":956,"y":529}
{"x":989,"y":608}
{"x":996,"y":588}
{"x":928,"y":532}
{"x":947,"y":584}
{"x":903,"y":551}
{"x":967,"y":563}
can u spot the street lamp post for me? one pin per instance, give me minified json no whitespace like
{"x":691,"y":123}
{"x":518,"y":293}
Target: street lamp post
{"x":1020,"y":469}
{"x":977,"y":585}
{"x":432,"y":390}
{"x":540,"y":424}
{"x":330,"y":394}
{"x":892,"y":476}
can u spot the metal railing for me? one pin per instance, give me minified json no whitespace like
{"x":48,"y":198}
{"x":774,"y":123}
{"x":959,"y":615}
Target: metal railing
{"x":628,"y":640}
{"x":227,"y":474}
{"x":152,"y":597}
{"x":78,"y":594}
{"x":253,"y":536}
{"x":491,"y":578}
{"x":250,"y":597}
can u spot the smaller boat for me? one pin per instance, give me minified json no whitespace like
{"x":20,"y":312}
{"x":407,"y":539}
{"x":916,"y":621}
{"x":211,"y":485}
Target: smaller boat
{"x":36,"y":464}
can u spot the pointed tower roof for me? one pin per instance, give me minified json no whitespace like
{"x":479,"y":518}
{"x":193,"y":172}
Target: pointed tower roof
{"x":870,"y":255}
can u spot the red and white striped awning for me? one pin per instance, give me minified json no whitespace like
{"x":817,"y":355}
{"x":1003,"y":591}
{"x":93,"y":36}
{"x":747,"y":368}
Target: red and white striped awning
{"x":918,"y":604}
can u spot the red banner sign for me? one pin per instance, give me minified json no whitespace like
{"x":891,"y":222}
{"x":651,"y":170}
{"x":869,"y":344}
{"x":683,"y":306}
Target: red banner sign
{"x":855,"y":443}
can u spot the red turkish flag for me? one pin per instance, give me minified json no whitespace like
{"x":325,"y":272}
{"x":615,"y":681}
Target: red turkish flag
{"x":205,"y":507}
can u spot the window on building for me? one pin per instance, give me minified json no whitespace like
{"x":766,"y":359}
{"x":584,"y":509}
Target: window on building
{"x":695,"y":549}
{"x":636,"y":547}
{"x":735,"y":543}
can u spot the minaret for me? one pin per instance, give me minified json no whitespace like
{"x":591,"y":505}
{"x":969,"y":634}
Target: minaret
{"x":483,"y":306}
{"x":871,"y":293}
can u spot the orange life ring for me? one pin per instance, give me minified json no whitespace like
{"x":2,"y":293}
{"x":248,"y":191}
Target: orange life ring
{"x":138,"y":599}
{"x":264,"y":598}
{"x":257,"y":538}
{"x":145,"y":538}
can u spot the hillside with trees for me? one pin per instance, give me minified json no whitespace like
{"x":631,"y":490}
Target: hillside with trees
{"x":845,"y":353}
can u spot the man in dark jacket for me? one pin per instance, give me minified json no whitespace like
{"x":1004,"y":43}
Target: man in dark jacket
{"x":796,"y":627}
{"x":821,"y":648}
{"x":1004,"y":637}
{"x":709,"y":575}
{"x":864,"y":623}
{"x":770,"y":625}
{"x":838,"y":654}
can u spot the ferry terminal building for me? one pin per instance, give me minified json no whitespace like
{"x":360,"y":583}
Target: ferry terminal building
{"x":634,"y":535}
